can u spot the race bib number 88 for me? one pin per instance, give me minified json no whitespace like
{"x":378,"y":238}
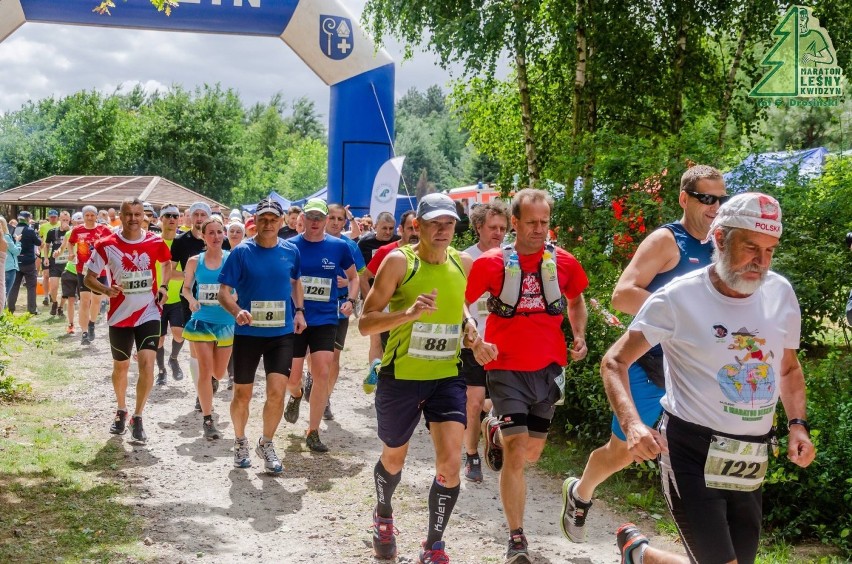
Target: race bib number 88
{"x":268,"y":314}
{"x":735,"y":465}
{"x":434,"y":341}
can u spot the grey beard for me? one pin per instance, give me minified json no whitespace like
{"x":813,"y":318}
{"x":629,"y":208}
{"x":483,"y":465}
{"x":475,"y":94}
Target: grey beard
{"x":733,"y":280}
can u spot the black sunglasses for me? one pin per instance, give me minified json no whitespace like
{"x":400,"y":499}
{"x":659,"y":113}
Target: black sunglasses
{"x":707,"y":199}
{"x":170,"y":216}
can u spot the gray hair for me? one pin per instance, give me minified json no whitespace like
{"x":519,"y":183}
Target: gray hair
{"x":480,"y":214}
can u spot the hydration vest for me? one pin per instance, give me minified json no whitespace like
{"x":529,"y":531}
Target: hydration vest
{"x":506,"y":304}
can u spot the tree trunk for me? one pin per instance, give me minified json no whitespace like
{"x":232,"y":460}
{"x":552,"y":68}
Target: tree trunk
{"x":676,"y":121}
{"x":580,"y":72}
{"x":729,"y":86}
{"x":524,"y":92}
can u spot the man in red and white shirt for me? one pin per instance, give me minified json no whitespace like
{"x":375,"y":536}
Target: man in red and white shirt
{"x":135,"y":296}
{"x":83,"y":238}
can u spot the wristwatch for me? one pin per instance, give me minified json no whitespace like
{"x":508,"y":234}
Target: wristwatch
{"x":298,"y":309}
{"x":353,"y":301}
{"x":803,"y":422}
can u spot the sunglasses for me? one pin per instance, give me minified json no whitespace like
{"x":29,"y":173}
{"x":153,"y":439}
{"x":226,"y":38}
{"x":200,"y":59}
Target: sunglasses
{"x":170,"y":216}
{"x":314,"y":217}
{"x":707,"y":199}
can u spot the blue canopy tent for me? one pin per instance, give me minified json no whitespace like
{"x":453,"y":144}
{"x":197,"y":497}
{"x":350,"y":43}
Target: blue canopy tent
{"x":403,"y":203}
{"x":763,"y":169}
{"x":285,"y":203}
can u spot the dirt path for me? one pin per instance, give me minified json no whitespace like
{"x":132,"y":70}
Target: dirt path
{"x":199,"y":508}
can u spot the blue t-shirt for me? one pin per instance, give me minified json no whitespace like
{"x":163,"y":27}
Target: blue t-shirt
{"x":206,"y":291}
{"x":320,"y":264}
{"x":360,"y":265}
{"x":263,"y":278}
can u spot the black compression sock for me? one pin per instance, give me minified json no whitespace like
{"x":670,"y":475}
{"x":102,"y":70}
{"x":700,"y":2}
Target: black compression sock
{"x":385,"y":486}
{"x":161,"y":358}
{"x":176,"y":347}
{"x":441,"y":502}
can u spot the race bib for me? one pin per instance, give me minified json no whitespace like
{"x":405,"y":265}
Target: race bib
{"x":317,"y":289}
{"x":735,"y":465}
{"x":136,"y":282}
{"x":208,"y":294}
{"x":434,"y":341}
{"x":268,"y":314}
{"x":63,"y":257}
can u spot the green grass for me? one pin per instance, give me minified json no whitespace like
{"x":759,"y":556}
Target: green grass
{"x":60,"y":494}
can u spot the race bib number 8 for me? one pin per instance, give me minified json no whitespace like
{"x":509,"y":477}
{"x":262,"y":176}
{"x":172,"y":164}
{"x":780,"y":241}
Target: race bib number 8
{"x":268,"y":314}
{"x":735,"y":465}
{"x":317,"y":289}
{"x":434,"y":341}
{"x":208,"y":294}
{"x":136,"y":282}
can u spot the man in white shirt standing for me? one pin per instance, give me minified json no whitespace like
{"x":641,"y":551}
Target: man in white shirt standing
{"x":729,"y":333}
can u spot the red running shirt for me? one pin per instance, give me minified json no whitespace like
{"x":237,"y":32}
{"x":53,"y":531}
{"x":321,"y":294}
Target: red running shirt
{"x":132,"y":265}
{"x":84,"y":240}
{"x":532,"y":339}
{"x":380,"y":255}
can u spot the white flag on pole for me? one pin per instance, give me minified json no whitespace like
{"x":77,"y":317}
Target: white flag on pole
{"x":386,"y":187}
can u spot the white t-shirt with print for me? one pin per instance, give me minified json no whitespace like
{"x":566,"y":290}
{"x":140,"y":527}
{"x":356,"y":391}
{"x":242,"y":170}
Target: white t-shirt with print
{"x":722,"y":355}
{"x":478,"y":309}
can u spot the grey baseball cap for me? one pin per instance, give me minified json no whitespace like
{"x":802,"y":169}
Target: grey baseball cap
{"x":435,"y":205}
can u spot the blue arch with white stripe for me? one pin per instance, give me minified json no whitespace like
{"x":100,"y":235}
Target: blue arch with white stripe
{"x":322,"y":32}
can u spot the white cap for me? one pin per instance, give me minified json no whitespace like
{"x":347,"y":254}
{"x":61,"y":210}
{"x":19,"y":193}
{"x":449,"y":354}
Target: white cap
{"x":753,"y":211}
{"x":235,"y":215}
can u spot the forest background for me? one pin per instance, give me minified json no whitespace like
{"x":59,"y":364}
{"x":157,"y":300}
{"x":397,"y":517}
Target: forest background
{"x":605,"y":104}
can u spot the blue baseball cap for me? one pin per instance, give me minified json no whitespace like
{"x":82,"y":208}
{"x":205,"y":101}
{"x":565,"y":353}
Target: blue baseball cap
{"x":53,"y":213}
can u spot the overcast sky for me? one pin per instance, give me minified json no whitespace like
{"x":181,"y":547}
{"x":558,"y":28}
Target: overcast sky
{"x":43,"y":60}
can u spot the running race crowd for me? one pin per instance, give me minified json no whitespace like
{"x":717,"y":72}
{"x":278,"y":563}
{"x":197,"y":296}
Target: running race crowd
{"x":470,"y":340}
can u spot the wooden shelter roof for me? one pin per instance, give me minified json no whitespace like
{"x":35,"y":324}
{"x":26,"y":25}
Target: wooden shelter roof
{"x":73,"y":192}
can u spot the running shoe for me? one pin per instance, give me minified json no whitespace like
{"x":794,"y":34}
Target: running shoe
{"x":241,"y":453}
{"x":493,"y":453}
{"x":384,"y":537}
{"x":291,"y":412}
{"x":434,"y":555}
{"x":309,"y":385}
{"x":210,"y":431}
{"x":517,"y":552}
{"x":53,"y":308}
{"x":45,"y":301}
{"x":314,"y":443}
{"x":573,"y":512}
{"x":372,"y":379}
{"x":627,"y":537}
{"x":91,"y":332}
{"x":59,"y":312}
{"x":198,"y":405}
{"x":473,"y":468}
{"x":137,"y":432}
{"x":327,"y":414}
{"x":161,"y":378}
{"x":70,"y":329}
{"x":84,"y":339}
{"x":177,"y":373}
{"x":272,"y":463}
{"x":119,"y":424}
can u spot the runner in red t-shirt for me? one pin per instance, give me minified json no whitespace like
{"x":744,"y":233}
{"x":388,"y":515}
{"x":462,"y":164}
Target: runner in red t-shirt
{"x":530,"y":352}
{"x":131,"y":256}
{"x":83,"y":237}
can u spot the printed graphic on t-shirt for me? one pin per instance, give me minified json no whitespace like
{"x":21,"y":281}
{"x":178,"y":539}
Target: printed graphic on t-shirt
{"x":531,"y":293}
{"x":748,"y":381}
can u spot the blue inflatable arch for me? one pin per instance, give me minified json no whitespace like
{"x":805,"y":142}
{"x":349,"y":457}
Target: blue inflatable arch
{"x":321,"y":32}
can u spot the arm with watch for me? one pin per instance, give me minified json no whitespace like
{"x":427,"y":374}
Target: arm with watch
{"x":297,"y":295}
{"x":800,"y":449}
{"x":483,"y":352}
{"x":352,"y":286}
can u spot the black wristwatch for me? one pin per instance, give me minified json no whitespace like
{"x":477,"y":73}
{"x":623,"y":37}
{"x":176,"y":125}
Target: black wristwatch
{"x":803,"y":422}
{"x":352,"y":301}
{"x":166,"y":286}
{"x":298,"y":309}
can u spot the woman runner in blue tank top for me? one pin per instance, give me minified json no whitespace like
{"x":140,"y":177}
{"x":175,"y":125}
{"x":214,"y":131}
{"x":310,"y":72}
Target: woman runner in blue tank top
{"x":210,"y":330}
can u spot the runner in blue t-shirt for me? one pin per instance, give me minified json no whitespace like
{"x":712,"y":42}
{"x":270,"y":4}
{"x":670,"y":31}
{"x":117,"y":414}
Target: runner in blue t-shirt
{"x":322,"y":255}
{"x":269,"y":309}
{"x":337,"y":216}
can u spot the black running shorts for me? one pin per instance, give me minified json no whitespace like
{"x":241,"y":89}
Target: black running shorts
{"x":122,"y":339}
{"x":277,"y":354}
{"x":716,"y":525}
{"x":317,"y":338}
